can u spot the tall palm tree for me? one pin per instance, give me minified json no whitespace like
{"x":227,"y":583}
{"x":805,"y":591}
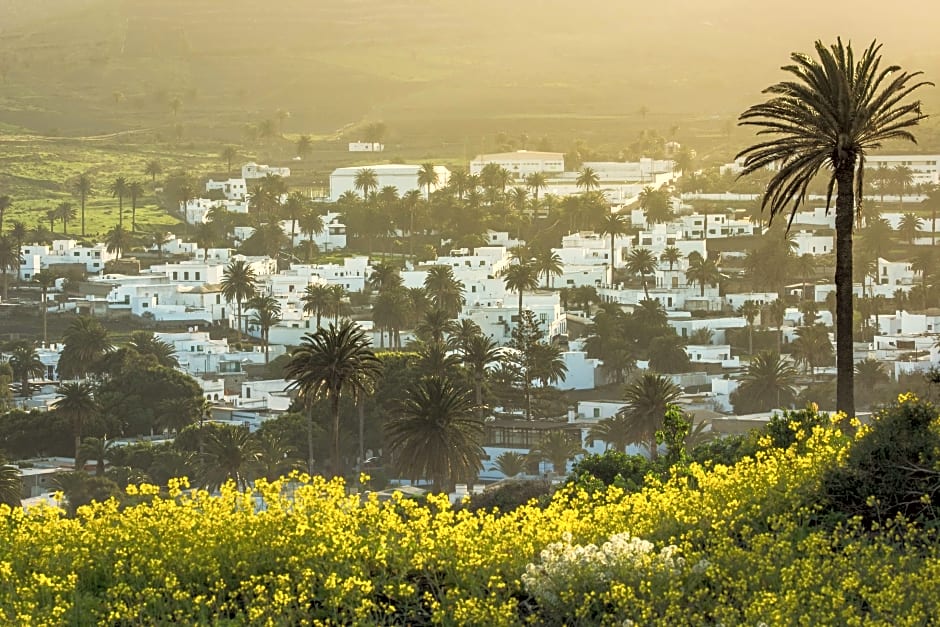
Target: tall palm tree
{"x":26,"y":365}
{"x":671,"y":255}
{"x":932,"y":201}
{"x":97,"y":449}
{"x":391,"y":312}
{"x":520,"y":278}
{"x":655,"y":204}
{"x":812,"y":347}
{"x":614,"y":225}
{"x":135,"y":189}
{"x":643,"y":262}
{"x":327,"y":363}
{"x":444,"y":290}
{"x":909,"y":227}
{"x":616,"y":432}
{"x":19,"y":233}
{"x":229,"y":454}
{"x":117,"y":241}
{"x":366,"y":182}
{"x":427,"y":176}
{"x":702,"y":270}
{"x":76,"y":403}
{"x":45,"y":281}
{"x":267,"y":313}
{"x":228,"y":155}
{"x":588,"y":180}
{"x":82,"y":187}
{"x":923,"y":263}
{"x":548,"y":263}
{"x":294,"y":207}
{"x":5,"y":203}
{"x":10,"y":259}
{"x":86,"y":343}
{"x":750,"y":310}
{"x":478,"y":353}
{"x":902,"y":177}
{"x":835,"y":110}
{"x":460,"y":333}
{"x":645,"y":403}
{"x":436,"y":436}
{"x":316,"y":299}
{"x":768,"y":383}
{"x":385,"y":276}
{"x":65,"y":212}
{"x":556,"y":447}
{"x":239,"y":284}
{"x":153,"y":169}
{"x":119,"y":189}
{"x":337,"y":305}
{"x":311,"y":224}
{"x":536,"y":182}
{"x":776,"y":310}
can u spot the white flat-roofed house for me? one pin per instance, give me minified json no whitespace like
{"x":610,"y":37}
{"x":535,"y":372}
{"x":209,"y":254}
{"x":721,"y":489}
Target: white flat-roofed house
{"x":521,"y":163}
{"x":366,"y":147}
{"x":712,"y":354}
{"x":37,"y":258}
{"x":232,"y":189}
{"x":719,"y":225}
{"x":191,"y":271}
{"x":812,"y":243}
{"x":497,"y":317}
{"x":333,"y":236}
{"x":196,"y":210}
{"x":252,"y":170}
{"x":646,"y":170}
{"x":402,"y":177}
{"x":900,"y":273}
{"x":924,"y":168}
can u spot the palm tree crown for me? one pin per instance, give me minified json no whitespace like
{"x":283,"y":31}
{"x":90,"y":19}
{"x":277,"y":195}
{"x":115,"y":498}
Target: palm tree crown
{"x":645,"y":403}
{"x":831,"y":113}
{"x":239,"y":283}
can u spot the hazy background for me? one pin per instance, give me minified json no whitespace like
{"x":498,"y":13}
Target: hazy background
{"x":448,"y":72}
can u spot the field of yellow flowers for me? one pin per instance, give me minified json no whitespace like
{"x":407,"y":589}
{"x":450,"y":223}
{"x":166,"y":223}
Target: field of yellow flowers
{"x":723,"y":545}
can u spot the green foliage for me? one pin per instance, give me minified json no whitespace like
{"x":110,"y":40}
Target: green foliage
{"x":507,"y":496}
{"x":627,"y":472}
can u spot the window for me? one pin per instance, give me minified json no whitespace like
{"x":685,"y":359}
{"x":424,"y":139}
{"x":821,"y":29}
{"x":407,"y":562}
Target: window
{"x":197,"y":276}
{"x":597,"y":412}
{"x":186,"y":276}
{"x":175,"y":276}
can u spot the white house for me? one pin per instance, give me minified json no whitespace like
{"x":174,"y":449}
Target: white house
{"x":924,"y":168}
{"x":62,"y":252}
{"x":366,"y":147}
{"x":895,"y":272}
{"x":719,"y":225}
{"x":252,"y":170}
{"x":401,"y":176}
{"x":521,"y":163}
{"x":333,"y":236}
{"x":812,"y":243}
{"x":232,"y":189}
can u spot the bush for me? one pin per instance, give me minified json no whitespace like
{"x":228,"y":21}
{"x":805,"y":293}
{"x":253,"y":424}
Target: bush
{"x":892,"y":470}
{"x":611,"y":468}
{"x":511,"y":494}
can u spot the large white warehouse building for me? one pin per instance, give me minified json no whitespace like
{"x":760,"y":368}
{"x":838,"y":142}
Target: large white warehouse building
{"x":400,"y":176}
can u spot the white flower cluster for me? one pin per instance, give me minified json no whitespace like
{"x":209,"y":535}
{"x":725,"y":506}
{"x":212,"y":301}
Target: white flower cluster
{"x":565,"y":571}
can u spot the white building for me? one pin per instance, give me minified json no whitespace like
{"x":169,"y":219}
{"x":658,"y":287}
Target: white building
{"x":62,"y":252}
{"x":366,"y":147}
{"x":232,"y":189}
{"x":895,"y":272}
{"x":252,"y":170}
{"x":812,"y":243}
{"x":643,"y":171}
{"x":196,"y":210}
{"x":925,"y":168}
{"x":333,"y":236}
{"x":719,"y":225}
{"x":402,"y":177}
{"x":521,"y":163}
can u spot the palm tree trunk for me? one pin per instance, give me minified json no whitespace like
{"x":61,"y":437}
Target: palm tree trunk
{"x":264,"y":339}
{"x":45,"y":334}
{"x":334,"y":406}
{"x":121,"y":211}
{"x":478,"y":394}
{"x":646,"y":291}
{"x":310,"y":440}
{"x":83,"y":215}
{"x":845,"y":201}
{"x":520,"y":305}
{"x":361,"y":407}
{"x":238,"y":320}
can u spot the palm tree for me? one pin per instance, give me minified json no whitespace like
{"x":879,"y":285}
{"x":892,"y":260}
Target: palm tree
{"x":316,"y":299}
{"x":436,"y":436}
{"x":444,"y":290}
{"x":391,"y":312}
{"x":65,"y":213}
{"x":294,"y":207}
{"x":228,"y":155}
{"x":135,"y":189}
{"x":427,"y":176}
{"x":267,"y":314}
{"x":11,"y":486}
{"x":82,"y":187}
{"x":19,"y":233}
{"x":557,"y":447}
{"x":812,"y":347}
{"x":275,"y":456}
{"x":836,"y":110}
{"x":337,"y":305}
{"x":902,"y":177}
{"x":478,"y":353}
{"x":239,"y":283}
{"x":97,"y":449}
{"x":385,"y":276}
{"x":311,"y":224}
{"x":10,"y":259}
{"x":643,"y":262}
{"x":153,"y":169}
{"x":933,"y":202}
{"x":870,"y":373}
{"x":519,"y":278}
{"x":366,"y":182}
{"x":588,"y":180}
{"x":229,"y":454}
{"x":511,"y":463}
{"x":549,"y":263}
{"x":614,"y":225}
{"x":26,"y":365}
{"x":776,"y":310}
{"x":5,"y":203}
{"x":45,"y":281}
{"x":616,"y":432}
{"x":923,"y":263}
{"x":117,"y":240}
{"x":909,"y":227}
{"x":768,"y":383}
{"x":76,"y":403}
{"x":304,"y":146}
{"x":329,"y":362}
{"x":750,"y":310}
{"x":536,"y":182}
{"x":461,"y":332}
{"x":118,"y":189}
{"x":86,"y":342}
{"x":655,"y":204}
{"x":672,"y":255}
{"x":645,"y":403}
{"x":702,"y":270}
{"x":146,"y":344}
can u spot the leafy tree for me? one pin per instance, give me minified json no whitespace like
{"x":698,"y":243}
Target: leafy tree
{"x":436,"y":435}
{"x":329,"y":362}
{"x":834,"y":111}
{"x":239,"y":284}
